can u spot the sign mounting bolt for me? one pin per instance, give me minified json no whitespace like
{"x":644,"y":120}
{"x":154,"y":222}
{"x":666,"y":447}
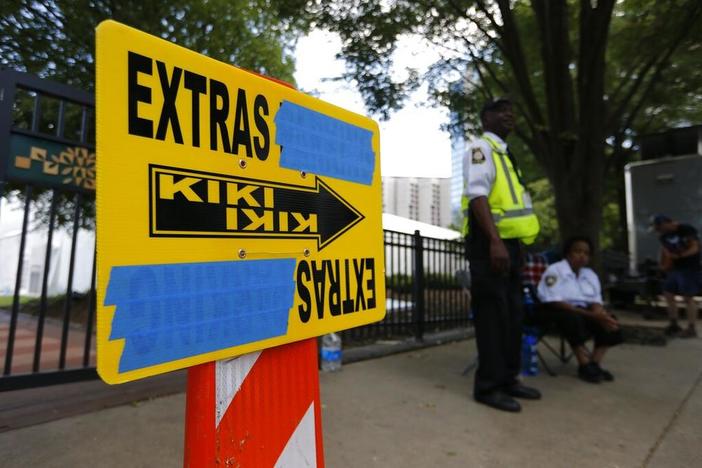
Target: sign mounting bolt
{"x":303,"y":174}
{"x":242,"y":253}
{"x":242,"y":163}
{"x":306,"y":252}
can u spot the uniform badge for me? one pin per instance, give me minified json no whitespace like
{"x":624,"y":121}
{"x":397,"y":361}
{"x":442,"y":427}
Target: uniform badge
{"x":550,"y":280}
{"x":478,"y":156}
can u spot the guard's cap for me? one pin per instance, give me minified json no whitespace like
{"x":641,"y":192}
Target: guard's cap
{"x":493,"y":104}
{"x":657,"y":220}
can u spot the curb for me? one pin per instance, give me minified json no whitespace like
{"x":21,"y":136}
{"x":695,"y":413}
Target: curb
{"x":387,"y":348}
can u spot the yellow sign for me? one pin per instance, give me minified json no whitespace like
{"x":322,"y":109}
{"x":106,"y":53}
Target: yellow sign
{"x":233,"y":212}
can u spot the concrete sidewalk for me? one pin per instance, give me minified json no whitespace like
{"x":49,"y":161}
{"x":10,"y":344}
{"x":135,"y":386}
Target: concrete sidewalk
{"x":414,"y":410}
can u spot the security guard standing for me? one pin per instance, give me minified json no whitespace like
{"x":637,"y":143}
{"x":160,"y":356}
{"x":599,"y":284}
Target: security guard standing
{"x":499,"y":219}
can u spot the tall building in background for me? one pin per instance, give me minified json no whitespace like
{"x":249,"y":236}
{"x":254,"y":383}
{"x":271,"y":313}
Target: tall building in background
{"x":458,"y":147}
{"x":418,"y":198}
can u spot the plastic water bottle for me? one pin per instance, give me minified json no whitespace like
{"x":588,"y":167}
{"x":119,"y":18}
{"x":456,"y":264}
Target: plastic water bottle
{"x":526,"y":358}
{"x":331,"y":353}
{"x":534,"y":363}
{"x":530,"y":362}
{"x":528,"y":300}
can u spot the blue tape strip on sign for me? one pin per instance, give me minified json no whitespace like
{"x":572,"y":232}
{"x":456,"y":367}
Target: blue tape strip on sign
{"x":170,"y":312}
{"x":319,"y":144}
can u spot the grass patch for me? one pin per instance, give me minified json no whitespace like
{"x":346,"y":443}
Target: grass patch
{"x":55,"y":306}
{"x":6,"y":301}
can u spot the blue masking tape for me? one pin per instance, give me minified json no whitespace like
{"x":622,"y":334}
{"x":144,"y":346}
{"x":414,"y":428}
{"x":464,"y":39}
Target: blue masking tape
{"x":319,"y":144}
{"x":170,"y":312}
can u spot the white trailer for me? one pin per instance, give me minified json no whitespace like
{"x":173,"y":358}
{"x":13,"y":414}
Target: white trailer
{"x":671,"y":186}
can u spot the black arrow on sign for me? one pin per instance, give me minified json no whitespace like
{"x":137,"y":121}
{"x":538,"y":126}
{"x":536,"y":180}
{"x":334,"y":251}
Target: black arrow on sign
{"x":186,"y":203}
{"x":334,"y":214}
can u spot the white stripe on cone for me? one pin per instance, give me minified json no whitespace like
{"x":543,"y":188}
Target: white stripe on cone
{"x":229,"y":375}
{"x":301,"y":449}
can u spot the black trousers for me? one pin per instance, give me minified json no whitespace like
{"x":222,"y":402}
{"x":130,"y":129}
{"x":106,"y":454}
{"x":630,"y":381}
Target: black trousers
{"x":575,"y":328}
{"x":498,"y":317}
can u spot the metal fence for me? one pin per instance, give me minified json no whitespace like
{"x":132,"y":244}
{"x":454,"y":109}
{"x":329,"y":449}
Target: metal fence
{"x":426,"y":289}
{"x":49,"y":338}
{"x":47,"y":164}
{"x":48,"y":341}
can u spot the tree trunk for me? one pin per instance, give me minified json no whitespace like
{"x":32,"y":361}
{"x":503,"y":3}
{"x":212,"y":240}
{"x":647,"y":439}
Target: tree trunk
{"x":579,"y":197}
{"x":578,"y":188}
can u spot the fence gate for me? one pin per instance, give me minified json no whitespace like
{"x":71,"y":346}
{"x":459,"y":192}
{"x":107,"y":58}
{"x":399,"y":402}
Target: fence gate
{"x":47,"y":246}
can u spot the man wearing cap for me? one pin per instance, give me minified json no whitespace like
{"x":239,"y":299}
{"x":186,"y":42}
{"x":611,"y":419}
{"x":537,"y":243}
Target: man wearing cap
{"x":680,"y":259}
{"x":498,"y":220}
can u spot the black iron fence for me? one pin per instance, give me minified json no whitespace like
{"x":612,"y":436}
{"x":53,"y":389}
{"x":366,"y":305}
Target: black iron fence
{"x":49,"y":340}
{"x":47,"y":177}
{"x":426,"y":284}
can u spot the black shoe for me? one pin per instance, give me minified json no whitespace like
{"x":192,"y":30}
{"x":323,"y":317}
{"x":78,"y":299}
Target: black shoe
{"x":672,"y":330}
{"x":590,"y":373}
{"x":607,"y":376}
{"x":500,"y":401}
{"x":689,"y":332}
{"x":522,"y":391}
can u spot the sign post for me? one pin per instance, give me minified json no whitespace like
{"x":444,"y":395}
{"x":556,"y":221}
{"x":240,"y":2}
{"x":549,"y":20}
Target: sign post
{"x":236,"y":219}
{"x":260,"y":409}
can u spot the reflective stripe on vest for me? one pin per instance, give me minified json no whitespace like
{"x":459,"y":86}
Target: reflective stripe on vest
{"x":506,"y":169}
{"x":506,"y":214}
{"x":512,"y":217}
{"x":512,"y":214}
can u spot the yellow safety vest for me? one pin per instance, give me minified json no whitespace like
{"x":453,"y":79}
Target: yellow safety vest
{"x":508,"y":199}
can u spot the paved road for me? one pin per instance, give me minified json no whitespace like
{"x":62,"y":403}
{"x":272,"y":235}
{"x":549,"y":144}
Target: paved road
{"x":25,"y":343}
{"x":414,"y":410}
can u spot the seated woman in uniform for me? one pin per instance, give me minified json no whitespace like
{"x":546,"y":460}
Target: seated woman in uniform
{"x":571,"y":298}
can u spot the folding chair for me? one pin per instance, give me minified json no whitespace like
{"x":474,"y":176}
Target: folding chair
{"x":534,"y":267}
